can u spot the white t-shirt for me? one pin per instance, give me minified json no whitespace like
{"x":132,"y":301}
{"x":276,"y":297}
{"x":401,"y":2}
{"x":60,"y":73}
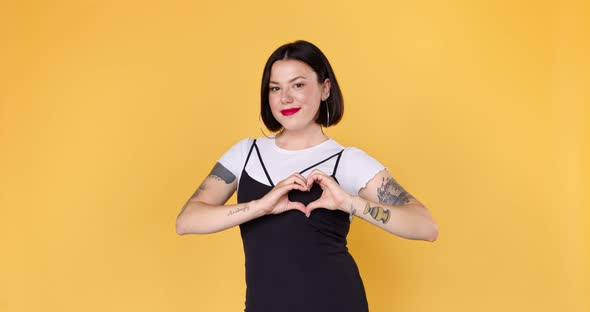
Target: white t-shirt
{"x":354,"y":170}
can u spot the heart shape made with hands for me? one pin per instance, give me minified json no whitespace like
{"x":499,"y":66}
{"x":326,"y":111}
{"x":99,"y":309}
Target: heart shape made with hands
{"x":314,"y":193}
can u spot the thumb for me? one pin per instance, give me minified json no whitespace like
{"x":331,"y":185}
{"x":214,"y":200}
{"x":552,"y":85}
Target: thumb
{"x":298,"y":206}
{"x":313,"y":205}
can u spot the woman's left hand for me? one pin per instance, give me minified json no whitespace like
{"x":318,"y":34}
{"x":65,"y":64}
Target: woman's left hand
{"x":333,"y":196}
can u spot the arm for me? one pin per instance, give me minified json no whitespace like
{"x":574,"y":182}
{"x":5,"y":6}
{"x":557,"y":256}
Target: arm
{"x":385,"y":203}
{"x":205,"y":211}
{"x":382,"y":202}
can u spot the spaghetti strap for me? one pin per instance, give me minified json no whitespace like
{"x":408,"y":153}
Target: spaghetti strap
{"x":337,"y":162}
{"x":323,"y":161}
{"x":263,"y":166}
{"x":249,"y":153}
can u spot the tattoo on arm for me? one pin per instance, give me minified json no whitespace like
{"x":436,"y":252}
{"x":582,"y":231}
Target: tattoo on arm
{"x":378,"y":213}
{"x":239,"y":209}
{"x":219,"y":172}
{"x":390,"y":192}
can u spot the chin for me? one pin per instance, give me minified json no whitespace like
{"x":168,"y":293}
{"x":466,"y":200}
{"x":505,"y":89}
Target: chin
{"x":293,"y":126}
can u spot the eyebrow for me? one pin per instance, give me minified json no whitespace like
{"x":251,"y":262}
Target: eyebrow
{"x":289,"y":80}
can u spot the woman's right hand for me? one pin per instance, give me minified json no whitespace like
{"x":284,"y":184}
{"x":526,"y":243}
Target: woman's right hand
{"x":276,"y":201}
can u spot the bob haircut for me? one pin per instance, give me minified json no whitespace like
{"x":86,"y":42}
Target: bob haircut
{"x":312,"y":56}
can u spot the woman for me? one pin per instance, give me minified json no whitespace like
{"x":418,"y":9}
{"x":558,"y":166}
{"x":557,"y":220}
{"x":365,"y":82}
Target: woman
{"x":298,"y":192}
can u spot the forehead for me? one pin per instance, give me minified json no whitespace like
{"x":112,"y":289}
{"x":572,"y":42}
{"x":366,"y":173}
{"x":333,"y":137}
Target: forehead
{"x":284,"y":70}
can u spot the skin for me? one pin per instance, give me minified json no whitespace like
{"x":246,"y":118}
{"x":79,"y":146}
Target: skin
{"x":382,"y":202}
{"x":293,"y":84}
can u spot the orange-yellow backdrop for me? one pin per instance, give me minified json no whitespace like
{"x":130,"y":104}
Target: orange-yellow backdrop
{"x":112,"y":112}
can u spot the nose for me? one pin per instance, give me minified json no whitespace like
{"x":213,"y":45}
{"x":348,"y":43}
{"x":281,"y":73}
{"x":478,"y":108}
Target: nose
{"x":286,"y":96}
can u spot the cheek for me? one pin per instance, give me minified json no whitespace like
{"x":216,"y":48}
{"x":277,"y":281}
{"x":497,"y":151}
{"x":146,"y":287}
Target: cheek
{"x":273,"y":99}
{"x":312,"y":97}
{"x":315,"y":93}
{"x":305,"y":96}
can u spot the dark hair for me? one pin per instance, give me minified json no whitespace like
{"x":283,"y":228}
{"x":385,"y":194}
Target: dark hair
{"x":312,"y":56}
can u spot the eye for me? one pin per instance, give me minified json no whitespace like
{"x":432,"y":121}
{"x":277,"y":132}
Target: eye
{"x":274,"y":89}
{"x":299,"y":85}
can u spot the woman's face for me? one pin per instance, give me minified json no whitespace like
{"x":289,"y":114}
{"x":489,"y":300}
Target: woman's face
{"x":295,"y":94}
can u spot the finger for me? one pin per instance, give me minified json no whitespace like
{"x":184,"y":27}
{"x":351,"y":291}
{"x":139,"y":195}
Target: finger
{"x":294,"y":186}
{"x":317,"y":171}
{"x":299,"y":175}
{"x":300,"y":178}
{"x":280,"y":191}
{"x":319,"y":178}
{"x":310,"y":179}
{"x":314,"y":205}
{"x":292,"y":179}
{"x":298,"y":206}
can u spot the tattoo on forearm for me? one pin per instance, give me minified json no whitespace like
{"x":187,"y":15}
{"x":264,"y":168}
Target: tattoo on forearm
{"x":239,"y":209}
{"x":378,"y":213}
{"x":219,"y":172}
{"x":390,"y":192}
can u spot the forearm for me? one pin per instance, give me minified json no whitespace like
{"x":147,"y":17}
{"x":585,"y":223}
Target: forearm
{"x":411,"y":221}
{"x":201,"y":218}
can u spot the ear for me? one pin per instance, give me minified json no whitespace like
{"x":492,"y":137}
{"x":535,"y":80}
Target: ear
{"x":326,"y":89}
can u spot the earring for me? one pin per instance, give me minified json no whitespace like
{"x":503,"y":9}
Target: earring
{"x":328,"y":112}
{"x":260,"y":126}
{"x":328,"y":120}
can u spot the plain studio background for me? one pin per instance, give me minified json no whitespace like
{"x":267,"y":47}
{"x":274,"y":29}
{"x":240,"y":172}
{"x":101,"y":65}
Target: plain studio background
{"x":112,"y":113}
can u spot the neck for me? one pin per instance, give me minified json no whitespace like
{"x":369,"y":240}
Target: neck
{"x":301,"y":139}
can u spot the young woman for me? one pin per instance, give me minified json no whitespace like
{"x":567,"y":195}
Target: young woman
{"x":298,"y":191}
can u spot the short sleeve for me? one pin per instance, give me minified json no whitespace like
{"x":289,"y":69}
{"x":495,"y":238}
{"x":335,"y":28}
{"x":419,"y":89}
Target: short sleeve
{"x":234,"y":158}
{"x":356,"y":170}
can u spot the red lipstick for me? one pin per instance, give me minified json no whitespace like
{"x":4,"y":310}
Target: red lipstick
{"x":290,"y":111}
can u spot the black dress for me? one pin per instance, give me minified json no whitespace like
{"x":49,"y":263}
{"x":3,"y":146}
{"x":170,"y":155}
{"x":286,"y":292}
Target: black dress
{"x":295,"y":263}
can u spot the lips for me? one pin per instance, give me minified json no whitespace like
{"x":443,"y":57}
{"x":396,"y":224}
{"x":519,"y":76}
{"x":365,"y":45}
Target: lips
{"x":289,"y":111}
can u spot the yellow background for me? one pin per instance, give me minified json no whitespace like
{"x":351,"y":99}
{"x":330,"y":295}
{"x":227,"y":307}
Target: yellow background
{"x":112,"y":113}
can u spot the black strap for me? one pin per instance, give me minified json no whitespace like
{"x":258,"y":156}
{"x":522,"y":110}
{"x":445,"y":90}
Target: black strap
{"x":337,"y":162}
{"x":249,"y":153}
{"x":339,"y":154}
{"x":263,"y":166}
{"x":323,"y":161}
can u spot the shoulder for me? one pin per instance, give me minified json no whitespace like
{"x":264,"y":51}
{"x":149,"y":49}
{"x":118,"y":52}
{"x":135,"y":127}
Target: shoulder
{"x":241,"y":145}
{"x":357,"y":169}
{"x":236,"y":154}
{"x":354,"y":158}
{"x":245,"y":142}
{"x":353,"y":154}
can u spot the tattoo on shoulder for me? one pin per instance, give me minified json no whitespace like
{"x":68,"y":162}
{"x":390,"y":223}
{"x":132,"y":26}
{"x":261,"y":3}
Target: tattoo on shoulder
{"x":219,"y":172}
{"x":390,"y":192}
